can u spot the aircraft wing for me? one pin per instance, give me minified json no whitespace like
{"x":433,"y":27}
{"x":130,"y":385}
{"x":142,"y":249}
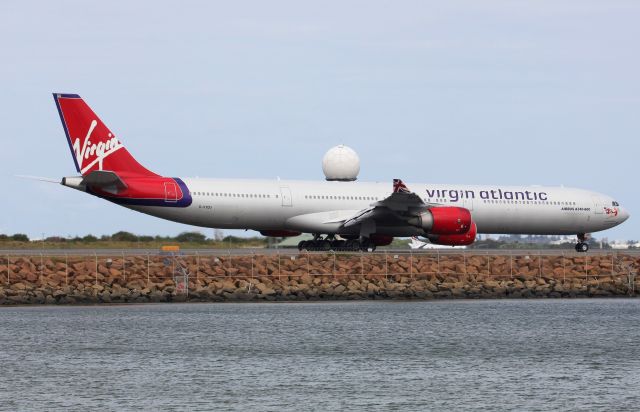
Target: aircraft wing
{"x":401,"y":203}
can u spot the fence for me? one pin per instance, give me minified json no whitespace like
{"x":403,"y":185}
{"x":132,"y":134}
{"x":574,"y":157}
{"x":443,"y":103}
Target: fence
{"x":185,"y":273}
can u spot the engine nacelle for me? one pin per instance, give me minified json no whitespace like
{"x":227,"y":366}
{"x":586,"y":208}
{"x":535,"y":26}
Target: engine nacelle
{"x":444,"y":220}
{"x":456,"y":240}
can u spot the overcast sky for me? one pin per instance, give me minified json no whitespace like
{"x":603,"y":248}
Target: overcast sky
{"x":486,"y":92}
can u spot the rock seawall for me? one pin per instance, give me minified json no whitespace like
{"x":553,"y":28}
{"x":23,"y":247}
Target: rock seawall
{"x":154,"y":278}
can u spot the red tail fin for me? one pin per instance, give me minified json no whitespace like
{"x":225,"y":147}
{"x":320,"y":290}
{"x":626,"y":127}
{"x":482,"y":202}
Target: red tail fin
{"x":92,"y":144}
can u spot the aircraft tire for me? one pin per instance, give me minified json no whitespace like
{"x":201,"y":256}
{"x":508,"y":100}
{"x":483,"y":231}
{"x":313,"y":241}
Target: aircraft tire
{"x":582,"y":247}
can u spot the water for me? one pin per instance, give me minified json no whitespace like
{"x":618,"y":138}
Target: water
{"x":528,"y":354}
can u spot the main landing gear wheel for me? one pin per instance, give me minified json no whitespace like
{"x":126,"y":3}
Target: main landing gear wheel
{"x":582,"y":246}
{"x":329,"y":244}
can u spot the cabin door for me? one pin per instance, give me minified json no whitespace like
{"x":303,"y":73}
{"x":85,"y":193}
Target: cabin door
{"x":598,"y":207}
{"x":285,"y":193}
{"x":170,"y":192}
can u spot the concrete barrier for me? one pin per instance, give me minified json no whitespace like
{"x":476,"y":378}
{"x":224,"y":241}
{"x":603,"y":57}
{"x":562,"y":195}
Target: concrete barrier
{"x":67,"y":279}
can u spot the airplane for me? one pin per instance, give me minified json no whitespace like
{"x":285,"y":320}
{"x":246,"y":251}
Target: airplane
{"x":340,"y":215}
{"x":416,"y":243}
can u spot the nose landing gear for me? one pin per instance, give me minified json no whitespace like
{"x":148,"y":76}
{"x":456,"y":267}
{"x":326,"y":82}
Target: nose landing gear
{"x":582,"y":245}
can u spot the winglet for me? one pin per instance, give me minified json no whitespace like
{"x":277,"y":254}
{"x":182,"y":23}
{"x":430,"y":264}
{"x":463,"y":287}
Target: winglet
{"x":400,"y":187}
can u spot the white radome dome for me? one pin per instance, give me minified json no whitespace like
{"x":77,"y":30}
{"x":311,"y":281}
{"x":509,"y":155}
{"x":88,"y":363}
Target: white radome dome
{"x":341,"y":163}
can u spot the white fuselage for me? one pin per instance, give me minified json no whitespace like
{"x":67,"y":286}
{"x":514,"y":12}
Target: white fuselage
{"x":321,"y":206}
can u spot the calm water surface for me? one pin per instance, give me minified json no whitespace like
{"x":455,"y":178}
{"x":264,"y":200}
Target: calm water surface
{"x":529,"y":354}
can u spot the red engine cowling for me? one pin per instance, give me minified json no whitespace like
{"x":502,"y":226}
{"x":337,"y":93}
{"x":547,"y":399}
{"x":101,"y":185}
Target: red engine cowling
{"x":444,"y":220}
{"x":456,"y":240}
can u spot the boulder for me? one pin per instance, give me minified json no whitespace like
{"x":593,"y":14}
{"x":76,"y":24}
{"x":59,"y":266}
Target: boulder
{"x":339,"y":290}
{"x":19,"y":286}
{"x":264,"y":289}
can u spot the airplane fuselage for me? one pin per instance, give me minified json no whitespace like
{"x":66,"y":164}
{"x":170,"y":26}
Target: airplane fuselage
{"x":321,"y":206}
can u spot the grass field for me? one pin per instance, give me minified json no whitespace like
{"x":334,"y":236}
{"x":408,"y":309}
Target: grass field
{"x":112,"y":244}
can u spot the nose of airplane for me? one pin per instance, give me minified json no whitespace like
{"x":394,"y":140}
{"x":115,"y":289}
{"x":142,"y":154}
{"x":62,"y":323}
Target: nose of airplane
{"x":624,"y":215}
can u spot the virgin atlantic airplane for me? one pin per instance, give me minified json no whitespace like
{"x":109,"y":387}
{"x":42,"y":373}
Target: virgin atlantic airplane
{"x":340,"y":215}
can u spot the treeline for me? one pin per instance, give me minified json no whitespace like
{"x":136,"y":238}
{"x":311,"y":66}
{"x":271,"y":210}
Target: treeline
{"x":128,"y":237}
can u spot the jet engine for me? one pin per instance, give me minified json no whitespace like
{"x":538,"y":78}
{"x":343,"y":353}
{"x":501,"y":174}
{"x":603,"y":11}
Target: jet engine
{"x":443,"y":220}
{"x":455,"y":240}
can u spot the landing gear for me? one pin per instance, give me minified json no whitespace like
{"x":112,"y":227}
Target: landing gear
{"x":582,"y":245}
{"x":329,"y":243}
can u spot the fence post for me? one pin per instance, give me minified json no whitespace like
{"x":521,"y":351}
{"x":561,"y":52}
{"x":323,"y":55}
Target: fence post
{"x":96,"y":255}
{"x":464,"y":262}
{"x":66,"y":269}
{"x":586,"y":274}
{"x":411,"y":264}
{"x":438,"y":256}
{"x":511,"y":263}
{"x":308,"y":272}
{"x":124,"y":268}
{"x":41,"y":266}
{"x":197,"y":267}
{"x":278,"y":264}
{"x":334,"y":263}
{"x":147,"y":269}
{"x":612,"y":265}
{"x":8,"y":269}
{"x":386,"y":266}
{"x":564,"y":269}
{"x":488,"y":264}
{"x":539,"y":264}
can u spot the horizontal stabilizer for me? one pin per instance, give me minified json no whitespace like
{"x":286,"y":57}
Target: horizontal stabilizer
{"x":105,"y":180}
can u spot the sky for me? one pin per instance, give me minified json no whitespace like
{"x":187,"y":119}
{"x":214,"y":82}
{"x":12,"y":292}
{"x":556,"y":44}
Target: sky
{"x":469,"y":92}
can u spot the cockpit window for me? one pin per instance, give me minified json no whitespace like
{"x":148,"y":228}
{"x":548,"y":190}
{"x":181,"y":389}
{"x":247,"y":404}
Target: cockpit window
{"x":614,"y":203}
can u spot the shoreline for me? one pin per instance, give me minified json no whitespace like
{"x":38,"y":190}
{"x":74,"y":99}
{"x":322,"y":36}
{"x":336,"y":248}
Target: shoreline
{"x":320,"y":301}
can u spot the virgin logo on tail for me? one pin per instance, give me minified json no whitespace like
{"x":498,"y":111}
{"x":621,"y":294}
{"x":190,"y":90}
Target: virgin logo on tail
{"x":94,"y":153}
